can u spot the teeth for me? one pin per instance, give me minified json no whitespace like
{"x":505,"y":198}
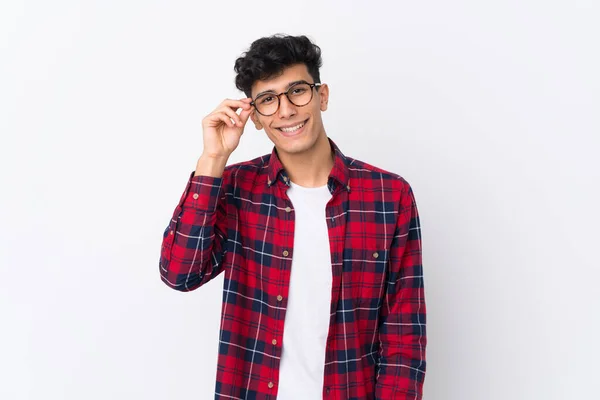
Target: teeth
{"x":293,"y":128}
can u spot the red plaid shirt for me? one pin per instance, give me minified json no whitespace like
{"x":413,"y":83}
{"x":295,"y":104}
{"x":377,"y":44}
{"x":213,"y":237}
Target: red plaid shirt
{"x":243,"y":224}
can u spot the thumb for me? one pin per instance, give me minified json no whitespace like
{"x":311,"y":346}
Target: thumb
{"x":245,"y":114}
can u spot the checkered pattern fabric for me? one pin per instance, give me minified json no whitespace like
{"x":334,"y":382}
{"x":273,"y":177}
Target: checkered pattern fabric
{"x":242,"y":224}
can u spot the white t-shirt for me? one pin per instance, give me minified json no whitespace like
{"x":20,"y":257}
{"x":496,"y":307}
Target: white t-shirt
{"x":306,"y":326}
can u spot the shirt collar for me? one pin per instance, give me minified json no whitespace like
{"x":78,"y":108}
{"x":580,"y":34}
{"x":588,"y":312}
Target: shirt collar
{"x":339,"y":175}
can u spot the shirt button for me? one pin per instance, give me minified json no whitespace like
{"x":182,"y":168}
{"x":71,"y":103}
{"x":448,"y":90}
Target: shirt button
{"x":274,"y":341}
{"x":375,"y":255}
{"x":287,"y":209}
{"x":279,"y":297}
{"x":271,"y":385}
{"x":195,"y":196}
{"x":327,"y":390}
{"x":286,"y":253}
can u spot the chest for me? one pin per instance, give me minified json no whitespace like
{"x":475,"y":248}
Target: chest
{"x":353,"y":229}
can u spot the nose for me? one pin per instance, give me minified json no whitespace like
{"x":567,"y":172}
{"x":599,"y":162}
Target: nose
{"x":286,"y":108}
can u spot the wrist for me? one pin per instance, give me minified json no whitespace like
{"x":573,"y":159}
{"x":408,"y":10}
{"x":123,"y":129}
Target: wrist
{"x":211,"y":165}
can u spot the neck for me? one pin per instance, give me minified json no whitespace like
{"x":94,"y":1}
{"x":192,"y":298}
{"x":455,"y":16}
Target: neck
{"x":310,"y":168}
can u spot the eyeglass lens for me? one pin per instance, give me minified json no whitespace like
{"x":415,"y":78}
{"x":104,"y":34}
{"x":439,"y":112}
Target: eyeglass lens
{"x":299,"y":95}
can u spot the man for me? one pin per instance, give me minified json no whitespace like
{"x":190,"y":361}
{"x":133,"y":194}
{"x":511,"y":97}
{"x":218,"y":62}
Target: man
{"x":323,"y":293}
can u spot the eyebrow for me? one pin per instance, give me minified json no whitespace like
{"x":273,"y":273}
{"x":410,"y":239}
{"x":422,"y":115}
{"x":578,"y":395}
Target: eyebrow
{"x":288,"y":86}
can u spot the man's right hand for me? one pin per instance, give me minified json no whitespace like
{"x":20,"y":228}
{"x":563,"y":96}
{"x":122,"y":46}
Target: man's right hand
{"x":221,"y":136}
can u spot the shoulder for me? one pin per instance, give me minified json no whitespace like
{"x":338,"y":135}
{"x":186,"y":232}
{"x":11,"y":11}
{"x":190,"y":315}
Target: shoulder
{"x":252,"y":166}
{"x":246,"y":173}
{"x":377,"y":183}
{"x":365,"y":174}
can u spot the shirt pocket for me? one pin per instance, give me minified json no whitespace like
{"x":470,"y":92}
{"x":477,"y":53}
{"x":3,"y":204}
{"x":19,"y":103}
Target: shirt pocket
{"x":368,"y":265}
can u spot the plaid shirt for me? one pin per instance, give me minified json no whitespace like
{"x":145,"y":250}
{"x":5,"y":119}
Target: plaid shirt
{"x":243,"y":224}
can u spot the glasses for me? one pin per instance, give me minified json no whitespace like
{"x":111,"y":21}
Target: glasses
{"x":299,"y":95}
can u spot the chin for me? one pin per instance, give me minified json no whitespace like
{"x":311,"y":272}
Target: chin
{"x":298,"y":146}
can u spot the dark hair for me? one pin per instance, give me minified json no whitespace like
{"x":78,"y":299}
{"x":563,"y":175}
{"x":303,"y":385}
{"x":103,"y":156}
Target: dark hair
{"x":268,"y":56}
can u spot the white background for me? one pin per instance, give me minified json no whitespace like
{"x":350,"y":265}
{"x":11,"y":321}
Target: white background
{"x":490,"y":109}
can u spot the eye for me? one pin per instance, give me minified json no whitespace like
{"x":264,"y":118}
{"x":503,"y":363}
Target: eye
{"x":298,"y":90}
{"x":266,"y":99}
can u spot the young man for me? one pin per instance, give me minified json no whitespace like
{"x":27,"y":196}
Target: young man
{"x":323,"y":294}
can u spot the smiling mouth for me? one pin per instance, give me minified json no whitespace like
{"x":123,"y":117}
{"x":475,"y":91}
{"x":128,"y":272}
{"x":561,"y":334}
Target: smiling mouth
{"x":293,"y":128}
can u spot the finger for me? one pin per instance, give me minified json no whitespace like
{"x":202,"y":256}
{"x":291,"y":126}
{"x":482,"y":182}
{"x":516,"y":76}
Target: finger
{"x":244,"y":115}
{"x":232,"y":114}
{"x":216,"y":118}
{"x":228,"y":120}
{"x":236,"y":104}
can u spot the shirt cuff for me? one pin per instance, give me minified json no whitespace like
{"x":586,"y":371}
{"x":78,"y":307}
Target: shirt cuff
{"x":202,"y":193}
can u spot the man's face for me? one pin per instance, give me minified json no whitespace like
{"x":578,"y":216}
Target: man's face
{"x":289,"y":115}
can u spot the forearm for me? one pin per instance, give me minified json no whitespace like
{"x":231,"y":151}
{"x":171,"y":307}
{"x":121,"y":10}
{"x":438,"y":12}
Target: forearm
{"x":402,"y":361}
{"x":402,"y":333}
{"x":193,"y":244}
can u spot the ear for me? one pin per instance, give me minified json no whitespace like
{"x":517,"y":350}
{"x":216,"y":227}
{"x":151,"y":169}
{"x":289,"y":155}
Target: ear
{"x":254,"y":117}
{"x":323,"y":96}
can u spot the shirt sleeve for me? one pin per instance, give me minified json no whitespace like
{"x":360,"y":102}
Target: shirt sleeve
{"x":402,"y":334}
{"x":194,"y":243}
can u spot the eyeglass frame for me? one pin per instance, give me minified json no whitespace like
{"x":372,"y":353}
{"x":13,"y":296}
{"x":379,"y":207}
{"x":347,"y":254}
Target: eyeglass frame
{"x":312,"y":85}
